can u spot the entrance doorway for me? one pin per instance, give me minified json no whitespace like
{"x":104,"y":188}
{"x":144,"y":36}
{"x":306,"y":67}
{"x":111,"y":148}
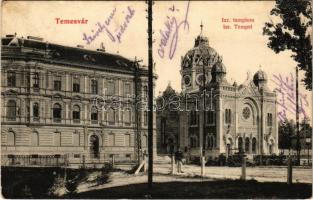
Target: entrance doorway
{"x":94,"y":146}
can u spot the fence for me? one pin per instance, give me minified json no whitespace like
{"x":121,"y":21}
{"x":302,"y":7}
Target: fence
{"x":34,"y":160}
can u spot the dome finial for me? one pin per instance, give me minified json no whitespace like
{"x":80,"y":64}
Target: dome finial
{"x":169,"y":83}
{"x":201,"y":28}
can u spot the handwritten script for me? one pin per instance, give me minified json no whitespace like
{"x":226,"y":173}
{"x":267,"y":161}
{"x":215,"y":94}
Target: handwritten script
{"x":170,"y":33}
{"x":104,"y":27}
{"x":286,"y":97}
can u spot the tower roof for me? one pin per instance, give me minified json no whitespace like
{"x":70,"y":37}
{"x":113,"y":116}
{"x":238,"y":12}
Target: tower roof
{"x":169,"y":90}
{"x":201,"y":53}
{"x":219,"y":67}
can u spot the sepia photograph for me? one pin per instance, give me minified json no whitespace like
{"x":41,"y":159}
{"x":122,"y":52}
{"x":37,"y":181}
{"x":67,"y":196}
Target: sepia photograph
{"x":156,"y":99}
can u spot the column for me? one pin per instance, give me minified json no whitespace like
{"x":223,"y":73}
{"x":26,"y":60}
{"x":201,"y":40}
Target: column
{"x":103,"y":87}
{"x":67,"y":116}
{"x":250,"y":146}
{"x":244,"y":142}
{"x":85,"y":137}
{"x":67,"y":82}
{"x":86,"y":85}
{"x":86,"y":118}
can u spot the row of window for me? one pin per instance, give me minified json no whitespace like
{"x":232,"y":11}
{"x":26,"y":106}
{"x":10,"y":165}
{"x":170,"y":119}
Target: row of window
{"x":57,"y":84}
{"x":210,"y":142}
{"x":76,"y":113}
{"x":194,"y":117}
{"x":227,"y":116}
{"x":11,"y":139}
{"x":209,"y":117}
{"x":246,"y":147}
{"x":269,"y":119}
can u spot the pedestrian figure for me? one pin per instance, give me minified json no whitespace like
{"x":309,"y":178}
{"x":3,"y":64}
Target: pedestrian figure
{"x":179,"y":160}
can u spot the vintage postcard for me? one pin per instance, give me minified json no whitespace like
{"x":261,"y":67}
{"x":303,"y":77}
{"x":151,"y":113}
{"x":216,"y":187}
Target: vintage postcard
{"x":156,"y":99}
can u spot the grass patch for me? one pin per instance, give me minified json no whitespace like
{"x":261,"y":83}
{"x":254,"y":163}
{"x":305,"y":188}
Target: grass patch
{"x":208,"y":189}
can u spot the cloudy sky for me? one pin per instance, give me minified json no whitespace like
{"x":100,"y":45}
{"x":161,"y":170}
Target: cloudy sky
{"x":243,"y":51}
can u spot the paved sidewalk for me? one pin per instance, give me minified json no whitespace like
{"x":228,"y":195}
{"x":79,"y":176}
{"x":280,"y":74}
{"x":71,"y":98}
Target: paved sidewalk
{"x":262,"y":174}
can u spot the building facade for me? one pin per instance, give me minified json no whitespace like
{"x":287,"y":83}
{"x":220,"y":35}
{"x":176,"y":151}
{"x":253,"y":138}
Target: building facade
{"x":69,"y":102}
{"x":236,"y":118}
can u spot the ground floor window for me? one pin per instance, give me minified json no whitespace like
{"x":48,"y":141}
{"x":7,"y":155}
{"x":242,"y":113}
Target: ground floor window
{"x":247,"y":145}
{"x":253,"y":145}
{"x":94,"y":146}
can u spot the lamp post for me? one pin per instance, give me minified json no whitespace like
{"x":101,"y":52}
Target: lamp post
{"x":150,"y":96}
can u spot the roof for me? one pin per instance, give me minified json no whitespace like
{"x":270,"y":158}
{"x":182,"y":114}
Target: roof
{"x":201,"y":54}
{"x":38,"y":49}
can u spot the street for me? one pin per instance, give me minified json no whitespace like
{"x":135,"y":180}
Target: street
{"x":261,"y":174}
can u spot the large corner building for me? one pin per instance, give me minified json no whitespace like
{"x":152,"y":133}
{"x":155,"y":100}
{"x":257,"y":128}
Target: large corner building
{"x":55,"y":99}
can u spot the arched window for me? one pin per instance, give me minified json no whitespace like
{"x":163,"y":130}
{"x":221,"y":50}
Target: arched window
{"x":94,"y":146}
{"x":269,"y":119}
{"x":57,"y":112}
{"x":11,"y":110}
{"x":240,"y":144}
{"x":11,"y":79}
{"x":111,"y":116}
{"x":227,"y":116}
{"x":94,"y":115}
{"x":253,"y":145}
{"x":76,"y":113}
{"x":35,"y":139}
{"x":11,"y":138}
{"x":36,"y":111}
{"x":247,"y":145}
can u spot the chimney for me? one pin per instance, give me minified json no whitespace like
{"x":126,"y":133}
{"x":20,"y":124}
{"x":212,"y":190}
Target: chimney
{"x":102,"y":50}
{"x":35,"y":38}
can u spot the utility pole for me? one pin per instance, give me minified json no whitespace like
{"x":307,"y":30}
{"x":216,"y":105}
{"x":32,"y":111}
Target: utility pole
{"x":297,"y":116}
{"x":138,"y":150}
{"x":150,"y":96}
{"x":202,"y":120}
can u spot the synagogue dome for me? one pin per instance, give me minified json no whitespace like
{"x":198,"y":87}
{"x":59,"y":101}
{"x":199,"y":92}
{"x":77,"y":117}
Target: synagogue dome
{"x":201,"y":54}
{"x":260,"y":76}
